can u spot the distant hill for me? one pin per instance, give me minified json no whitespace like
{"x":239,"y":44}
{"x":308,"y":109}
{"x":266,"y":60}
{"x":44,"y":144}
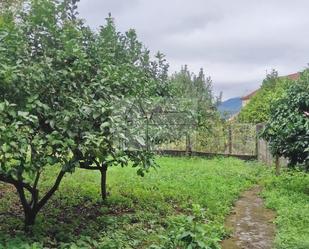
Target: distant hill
{"x":230,"y":107}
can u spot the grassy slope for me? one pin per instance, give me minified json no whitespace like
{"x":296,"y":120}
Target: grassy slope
{"x":288,"y":194}
{"x":138,"y":209}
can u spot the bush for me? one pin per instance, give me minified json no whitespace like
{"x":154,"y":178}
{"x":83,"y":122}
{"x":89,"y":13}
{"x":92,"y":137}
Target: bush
{"x":193,"y":231}
{"x":287,"y":131}
{"x":258,"y":109}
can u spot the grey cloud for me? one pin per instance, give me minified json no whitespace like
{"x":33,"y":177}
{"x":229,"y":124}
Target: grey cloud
{"x":95,"y":11}
{"x":235,"y":41}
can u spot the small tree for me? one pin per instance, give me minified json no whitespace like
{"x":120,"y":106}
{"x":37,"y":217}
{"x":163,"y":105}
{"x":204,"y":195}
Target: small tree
{"x":25,"y":150}
{"x":287,"y":130}
{"x":122,"y":76}
{"x":61,"y":86}
{"x":38,"y":83}
{"x":196,"y":96}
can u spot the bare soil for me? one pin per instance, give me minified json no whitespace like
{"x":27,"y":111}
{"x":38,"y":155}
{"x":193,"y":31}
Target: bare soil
{"x":251,"y":223}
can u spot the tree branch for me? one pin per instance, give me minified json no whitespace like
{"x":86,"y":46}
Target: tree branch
{"x":7,"y":179}
{"x":49,"y":194}
{"x":36,"y":181}
{"x":23,"y":198}
{"x":35,"y":194}
{"x":89,"y":167}
{"x":11,"y":180}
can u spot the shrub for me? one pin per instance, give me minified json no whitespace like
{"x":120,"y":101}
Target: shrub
{"x":287,"y":131}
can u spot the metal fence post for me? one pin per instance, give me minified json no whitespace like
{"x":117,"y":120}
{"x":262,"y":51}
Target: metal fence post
{"x":188,"y":145}
{"x":230,"y":140}
{"x":258,"y":128}
{"x":257,"y":142}
{"x":277,"y":166}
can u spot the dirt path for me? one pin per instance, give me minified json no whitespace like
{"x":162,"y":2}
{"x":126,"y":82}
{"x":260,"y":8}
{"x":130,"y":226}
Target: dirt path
{"x":251,"y":223}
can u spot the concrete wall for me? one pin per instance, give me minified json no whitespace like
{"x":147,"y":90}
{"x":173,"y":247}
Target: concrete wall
{"x":263,"y":152}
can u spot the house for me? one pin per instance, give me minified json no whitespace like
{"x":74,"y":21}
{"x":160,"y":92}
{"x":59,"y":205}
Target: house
{"x":294,"y":76}
{"x":246,"y":99}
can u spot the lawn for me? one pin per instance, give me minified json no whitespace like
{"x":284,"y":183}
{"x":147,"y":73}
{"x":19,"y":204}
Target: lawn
{"x":140,"y":212}
{"x":183,"y":201}
{"x":288,"y":194}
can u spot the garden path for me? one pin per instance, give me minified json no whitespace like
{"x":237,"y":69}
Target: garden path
{"x":251,"y":223}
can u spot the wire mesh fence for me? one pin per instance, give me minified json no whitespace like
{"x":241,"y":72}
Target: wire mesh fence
{"x":228,"y":139}
{"x":176,"y":132}
{"x":169,"y":125}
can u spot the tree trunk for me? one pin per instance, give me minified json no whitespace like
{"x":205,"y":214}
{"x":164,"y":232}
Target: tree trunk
{"x":29,"y":213}
{"x":31,"y":208}
{"x":103,"y":171}
{"x":30,"y":217}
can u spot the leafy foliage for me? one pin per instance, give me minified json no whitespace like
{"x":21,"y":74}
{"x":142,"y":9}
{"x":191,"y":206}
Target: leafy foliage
{"x":196,"y":105}
{"x":258,"y":109}
{"x":288,"y":128}
{"x":60,"y":89}
{"x":192,"y":231}
{"x":197,"y":89}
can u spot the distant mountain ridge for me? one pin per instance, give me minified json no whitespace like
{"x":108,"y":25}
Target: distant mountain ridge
{"x":230,"y":107}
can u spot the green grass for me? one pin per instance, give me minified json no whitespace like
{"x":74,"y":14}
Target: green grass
{"x":184,"y":196}
{"x":288,"y":194}
{"x":139,"y":210}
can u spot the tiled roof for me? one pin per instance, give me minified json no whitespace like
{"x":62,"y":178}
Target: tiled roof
{"x":249,"y":96}
{"x":294,"y":76}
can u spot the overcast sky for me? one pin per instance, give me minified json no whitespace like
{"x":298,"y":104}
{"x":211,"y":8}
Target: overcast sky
{"x":235,"y":41}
